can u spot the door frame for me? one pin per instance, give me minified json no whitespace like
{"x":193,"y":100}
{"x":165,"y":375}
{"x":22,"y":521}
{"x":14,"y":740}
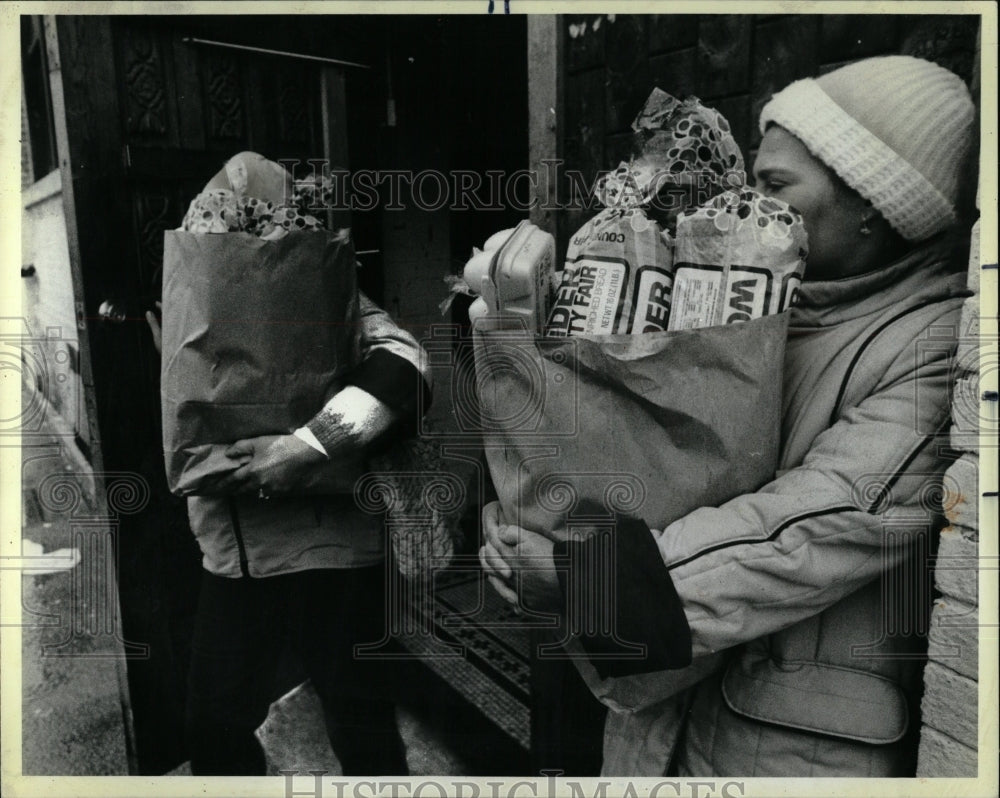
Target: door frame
{"x":545,"y":115}
{"x":75,"y":191}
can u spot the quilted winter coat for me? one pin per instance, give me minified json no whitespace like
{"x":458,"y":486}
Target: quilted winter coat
{"x":247,"y":536}
{"x":809,"y":592}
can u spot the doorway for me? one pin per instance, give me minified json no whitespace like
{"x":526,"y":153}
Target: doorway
{"x":146,"y":114}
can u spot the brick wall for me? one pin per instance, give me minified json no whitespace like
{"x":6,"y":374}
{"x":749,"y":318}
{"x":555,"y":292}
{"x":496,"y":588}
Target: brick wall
{"x":949,"y":737}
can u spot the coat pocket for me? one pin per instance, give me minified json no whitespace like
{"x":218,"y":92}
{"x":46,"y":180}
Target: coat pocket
{"x":813,"y":697}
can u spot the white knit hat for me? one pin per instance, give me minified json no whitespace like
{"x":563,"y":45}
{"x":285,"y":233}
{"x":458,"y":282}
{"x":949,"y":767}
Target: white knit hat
{"x":896,"y":129}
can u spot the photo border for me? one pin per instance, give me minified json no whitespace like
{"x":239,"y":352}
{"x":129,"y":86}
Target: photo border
{"x":15,"y":784}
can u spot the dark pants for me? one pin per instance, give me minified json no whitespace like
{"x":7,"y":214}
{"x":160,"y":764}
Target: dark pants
{"x":241,"y":628}
{"x":567,"y":721}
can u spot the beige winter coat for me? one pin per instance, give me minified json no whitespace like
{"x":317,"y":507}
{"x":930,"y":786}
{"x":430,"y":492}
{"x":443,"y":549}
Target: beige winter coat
{"x":813,"y":592}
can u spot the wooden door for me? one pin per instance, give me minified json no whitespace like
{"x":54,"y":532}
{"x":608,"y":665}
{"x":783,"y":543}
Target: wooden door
{"x":145,"y":120}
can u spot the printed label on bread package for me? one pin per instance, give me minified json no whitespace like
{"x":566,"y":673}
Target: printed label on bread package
{"x":748,"y":294}
{"x":752,"y":291}
{"x":739,"y":257}
{"x":695,"y":296}
{"x":590,"y":301}
{"x":651,"y":299}
{"x":789,"y":290}
{"x":606,"y":259}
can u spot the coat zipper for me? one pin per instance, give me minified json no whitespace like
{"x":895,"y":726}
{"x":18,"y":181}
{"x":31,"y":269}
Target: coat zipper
{"x":238,"y":532}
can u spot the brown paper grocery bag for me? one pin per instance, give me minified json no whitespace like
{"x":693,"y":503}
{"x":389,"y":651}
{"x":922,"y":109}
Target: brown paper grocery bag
{"x":256,"y":335}
{"x":651,"y":426}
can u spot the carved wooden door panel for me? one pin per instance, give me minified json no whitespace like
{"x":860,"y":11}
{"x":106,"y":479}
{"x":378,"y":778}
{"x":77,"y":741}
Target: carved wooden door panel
{"x":149,"y":119}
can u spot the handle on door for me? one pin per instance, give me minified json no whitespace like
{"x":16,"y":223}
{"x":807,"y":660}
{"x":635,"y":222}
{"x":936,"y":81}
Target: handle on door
{"x":119,"y":311}
{"x":111,"y":311}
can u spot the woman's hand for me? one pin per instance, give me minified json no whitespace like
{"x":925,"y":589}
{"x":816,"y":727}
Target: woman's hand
{"x":518,"y":563}
{"x":270,"y":465}
{"x":494,"y":554}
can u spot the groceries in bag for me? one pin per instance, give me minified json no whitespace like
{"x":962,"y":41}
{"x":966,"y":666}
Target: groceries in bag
{"x":721,"y":245}
{"x":739,"y":257}
{"x":600,"y":418}
{"x":617,"y":277}
{"x":684,"y":153}
{"x":733,"y":256}
{"x":260,"y":328}
{"x":251,"y":194}
{"x":513,"y":277}
{"x":618,"y":271}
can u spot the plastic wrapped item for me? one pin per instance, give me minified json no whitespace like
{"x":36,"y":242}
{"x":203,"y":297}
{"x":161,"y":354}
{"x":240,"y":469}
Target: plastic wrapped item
{"x":251,"y":194}
{"x":684,"y":154}
{"x":250,"y":174}
{"x":288,"y":218}
{"x":258,"y":216}
{"x":314,"y":192}
{"x":739,"y":257}
{"x":617,"y":277}
{"x":522,"y":276}
{"x":476,"y":273}
{"x":214,"y":211}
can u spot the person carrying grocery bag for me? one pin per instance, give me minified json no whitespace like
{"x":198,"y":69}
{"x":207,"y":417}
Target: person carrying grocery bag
{"x":280,"y":383}
{"x":604,"y":403}
{"x":772,"y":612}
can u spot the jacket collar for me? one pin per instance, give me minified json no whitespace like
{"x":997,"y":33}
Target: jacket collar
{"x":924,"y":273}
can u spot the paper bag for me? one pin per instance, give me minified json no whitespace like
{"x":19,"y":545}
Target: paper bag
{"x":651,"y":426}
{"x":256,"y":336}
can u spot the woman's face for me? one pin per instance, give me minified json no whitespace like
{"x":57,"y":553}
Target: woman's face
{"x":832,"y":212}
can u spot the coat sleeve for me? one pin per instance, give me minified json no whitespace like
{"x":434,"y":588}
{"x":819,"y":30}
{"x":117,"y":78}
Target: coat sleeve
{"x":394,"y":367}
{"x":394,"y":370}
{"x":766,"y":560}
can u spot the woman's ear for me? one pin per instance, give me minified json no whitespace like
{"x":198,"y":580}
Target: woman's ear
{"x":879,"y":239}
{"x":870,"y":219}
{"x":891,"y":245}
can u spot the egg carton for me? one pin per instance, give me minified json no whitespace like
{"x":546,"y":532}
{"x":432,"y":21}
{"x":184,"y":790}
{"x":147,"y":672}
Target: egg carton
{"x":514,"y":277}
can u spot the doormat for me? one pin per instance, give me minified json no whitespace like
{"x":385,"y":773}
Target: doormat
{"x":475,"y":641}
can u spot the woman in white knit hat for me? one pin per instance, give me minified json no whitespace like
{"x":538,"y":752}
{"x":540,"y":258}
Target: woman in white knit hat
{"x":815,"y":588}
